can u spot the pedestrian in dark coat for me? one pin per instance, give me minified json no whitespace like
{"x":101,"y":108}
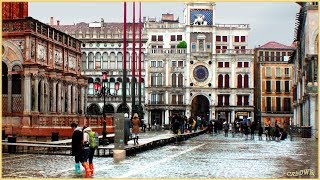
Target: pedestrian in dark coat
{"x":76,"y":146}
{"x":127,"y":125}
{"x":260,"y":132}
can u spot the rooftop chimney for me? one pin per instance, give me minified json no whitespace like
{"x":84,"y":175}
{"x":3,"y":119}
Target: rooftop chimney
{"x":51,"y":21}
{"x":58,"y":23}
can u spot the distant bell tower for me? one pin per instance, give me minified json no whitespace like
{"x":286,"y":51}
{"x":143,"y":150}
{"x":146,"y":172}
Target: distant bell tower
{"x":14,"y":10}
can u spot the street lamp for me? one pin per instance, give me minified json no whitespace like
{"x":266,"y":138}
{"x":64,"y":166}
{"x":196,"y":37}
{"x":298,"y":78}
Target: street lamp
{"x":103,"y":91}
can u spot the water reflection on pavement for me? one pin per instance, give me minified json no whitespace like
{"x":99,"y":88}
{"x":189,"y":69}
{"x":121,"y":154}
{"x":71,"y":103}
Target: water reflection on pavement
{"x":205,"y":156}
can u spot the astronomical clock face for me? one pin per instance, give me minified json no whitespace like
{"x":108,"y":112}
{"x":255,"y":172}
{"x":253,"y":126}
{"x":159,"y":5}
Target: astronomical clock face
{"x":200,"y":73}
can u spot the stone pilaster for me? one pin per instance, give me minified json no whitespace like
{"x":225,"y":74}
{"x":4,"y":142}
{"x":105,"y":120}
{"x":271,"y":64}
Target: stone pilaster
{"x":54,"y":96}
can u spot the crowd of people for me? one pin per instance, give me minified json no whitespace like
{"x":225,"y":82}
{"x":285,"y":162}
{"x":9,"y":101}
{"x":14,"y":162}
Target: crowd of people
{"x":180,"y":124}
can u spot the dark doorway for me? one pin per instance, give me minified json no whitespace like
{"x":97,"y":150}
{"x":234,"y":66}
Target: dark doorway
{"x":200,"y":107}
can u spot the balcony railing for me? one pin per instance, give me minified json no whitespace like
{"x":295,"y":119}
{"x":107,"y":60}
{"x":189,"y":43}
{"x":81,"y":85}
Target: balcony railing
{"x":156,"y":102}
{"x":167,"y":51}
{"x":274,"y":58}
{"x":234,"y":51}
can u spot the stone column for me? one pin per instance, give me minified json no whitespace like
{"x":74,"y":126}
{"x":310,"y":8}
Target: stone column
{"x":42,"y":100}
{"x":54,"y":94}
{"x":74,"y":98}
{"x":69,"y":99}
{"x":9,"y":93}
{"x":166,"y":116}
{"x":36,"y":100}
{"x":85,"y":99}
{"x":59,"y":107}
{"x":82,"y":100}
{"x":27,"y":93}
{"x":232,"y":116}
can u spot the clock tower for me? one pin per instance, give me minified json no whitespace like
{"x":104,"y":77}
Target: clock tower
{"x":199,"y":19}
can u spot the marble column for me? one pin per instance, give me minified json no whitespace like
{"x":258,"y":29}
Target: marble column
{"x":36,"y":99}
{"x":27,"y":93}
{"x":9,"y":93}
{"x":59,"y":107}
{"x":42,"y":100}
{"x":54,"y":94}
{"x":166,"y":116}
{"x":69,"y":99}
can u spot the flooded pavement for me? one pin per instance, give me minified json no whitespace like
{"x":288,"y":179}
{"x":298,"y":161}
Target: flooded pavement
{"x":205,"y":156}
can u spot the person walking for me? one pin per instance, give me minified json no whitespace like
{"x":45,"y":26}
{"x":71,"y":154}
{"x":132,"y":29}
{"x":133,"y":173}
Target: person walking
{"x":127,"y":126}
{"x":135,"y":128}
{"x":260,"y":132}
{"x":225,"y":128}
{"x":252,"y":129}
{"x":76,"y":146}
{"x":88,"y":152}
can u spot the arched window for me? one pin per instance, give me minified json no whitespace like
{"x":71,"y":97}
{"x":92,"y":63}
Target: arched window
{"x":174,"y":80}
{"x":90,"y":56}
{"x":246,"y":81}
{"x":84,"y":61}
{"x":128,"y":61}
{"x":104,"y":61}
{"x":159,"y":80}
{"x":226,"y":81}
{"x":119,"y":61}
{"x":98,"y":60}
{"x":180,"y":80}
{"x":220,"y":81}
{"x":239,"y":81}
{"x":153,"y":79}
{"x":111,"y":85}
{"x":112,"y":60}
{"x":90,"y":86}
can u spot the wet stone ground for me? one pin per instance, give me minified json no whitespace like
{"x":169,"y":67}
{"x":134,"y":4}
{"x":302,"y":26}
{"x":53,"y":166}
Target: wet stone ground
{"x":205,"y":156}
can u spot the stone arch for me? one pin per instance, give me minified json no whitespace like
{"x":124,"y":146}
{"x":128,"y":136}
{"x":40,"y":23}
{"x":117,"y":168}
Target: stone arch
{"x":108,"y":109}
{"x":94,"y":109}
{"x":12,"y":54}
{"x":200,"y":106}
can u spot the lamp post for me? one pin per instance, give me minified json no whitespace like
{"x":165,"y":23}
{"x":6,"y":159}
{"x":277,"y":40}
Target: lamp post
{"x":104,"y":90}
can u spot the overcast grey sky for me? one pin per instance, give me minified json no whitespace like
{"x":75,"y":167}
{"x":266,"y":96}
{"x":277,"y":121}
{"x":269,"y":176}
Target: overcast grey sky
{"x":268,"y":21}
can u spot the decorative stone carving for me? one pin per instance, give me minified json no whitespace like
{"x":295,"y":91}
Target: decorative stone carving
{"x":72,"y":62}
{"x":19,"y":42}
{"x":58,"y":57}
{"x":199,"y":20}
{"x":65,"y":61}
{"x":32,"y":48}
{"x":41,"y":52}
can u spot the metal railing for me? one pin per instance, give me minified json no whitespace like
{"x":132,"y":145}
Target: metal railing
{"x":302,"y":132}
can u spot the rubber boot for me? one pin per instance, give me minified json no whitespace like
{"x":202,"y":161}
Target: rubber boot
{"x":86,"y":168}
{"x":77,"y":167}
{"x":91,"y":168}
{"x":137,"y":139}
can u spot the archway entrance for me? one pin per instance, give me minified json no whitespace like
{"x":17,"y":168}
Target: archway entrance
{"x":200,"y":107}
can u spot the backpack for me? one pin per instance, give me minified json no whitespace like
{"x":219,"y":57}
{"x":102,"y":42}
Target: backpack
{"x":93,"y":139}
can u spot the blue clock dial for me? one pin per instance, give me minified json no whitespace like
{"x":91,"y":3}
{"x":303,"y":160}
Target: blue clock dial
{"x":200,"y":73}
